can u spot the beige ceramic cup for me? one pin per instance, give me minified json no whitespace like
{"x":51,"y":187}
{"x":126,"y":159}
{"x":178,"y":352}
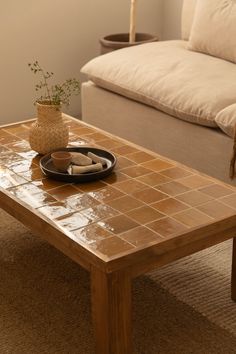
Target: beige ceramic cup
{"x":61,"y":160}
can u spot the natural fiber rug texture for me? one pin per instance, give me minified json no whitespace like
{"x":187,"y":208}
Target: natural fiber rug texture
{"x":45,"y":301}
{"x":203,"y":281}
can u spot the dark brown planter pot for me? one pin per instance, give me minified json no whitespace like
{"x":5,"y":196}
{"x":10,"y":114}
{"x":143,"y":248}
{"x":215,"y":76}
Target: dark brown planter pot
{"x":121,"y":40}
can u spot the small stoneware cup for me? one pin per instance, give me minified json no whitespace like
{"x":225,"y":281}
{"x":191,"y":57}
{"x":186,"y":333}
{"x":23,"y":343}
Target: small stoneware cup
{"x":61,"y":160}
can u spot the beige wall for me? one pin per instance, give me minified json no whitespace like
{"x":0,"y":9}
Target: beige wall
{"x":172,"y":19}
{"x":62,"y":35}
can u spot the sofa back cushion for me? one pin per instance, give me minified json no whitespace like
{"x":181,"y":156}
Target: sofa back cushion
{"x":214,"y":29}
{"x":188,"y":11}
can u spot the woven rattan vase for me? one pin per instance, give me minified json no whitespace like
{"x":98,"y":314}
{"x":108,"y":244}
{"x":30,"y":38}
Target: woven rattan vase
{"x":49,"y":132}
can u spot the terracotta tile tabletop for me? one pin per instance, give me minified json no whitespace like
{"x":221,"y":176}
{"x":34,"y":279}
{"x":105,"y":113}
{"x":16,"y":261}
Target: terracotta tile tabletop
{"x":145,"y":193}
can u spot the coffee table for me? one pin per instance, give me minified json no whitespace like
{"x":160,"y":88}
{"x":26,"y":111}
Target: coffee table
{"x":150,"y":211}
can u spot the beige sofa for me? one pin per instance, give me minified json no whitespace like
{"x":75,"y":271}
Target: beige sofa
{"x":167,"y":98}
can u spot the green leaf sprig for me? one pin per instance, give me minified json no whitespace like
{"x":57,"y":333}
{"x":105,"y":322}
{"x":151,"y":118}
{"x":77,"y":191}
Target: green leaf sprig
{"x":54,"y":94}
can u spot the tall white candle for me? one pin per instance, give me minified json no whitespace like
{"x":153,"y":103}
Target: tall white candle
{"x":132,"y":21}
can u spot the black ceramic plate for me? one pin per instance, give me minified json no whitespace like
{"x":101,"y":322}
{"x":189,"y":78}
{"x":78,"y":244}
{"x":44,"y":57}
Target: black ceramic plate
{"x":48,"y":168}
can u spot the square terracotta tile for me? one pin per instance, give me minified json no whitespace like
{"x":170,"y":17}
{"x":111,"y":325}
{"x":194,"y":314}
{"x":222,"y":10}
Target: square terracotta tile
{"x":35,"y":161}
{"x":21,"y":166}
{"x":115,"y":177}
{"x":23,"y":135}
{"x":149,"y":195}
{"x":55,"y":210}
{"x":123,"y":162}
{"x":125,"y":150}
{"x":90,"y":234}
{"x":11,"y":180}
{"x":9,"y":158}
{"x":5,"y":172}
{"x":99,"y":212}
{"x":118,"y":224}
{"x":82,"y":130}
{"x":140,"y":156}
{"x":91,"y":186}
{"x":33,"y":200}
{"x":144,"y":215}
{"x":20,"y":146}
{"x":73,"y":222}
{"x":112,"y":246}
{"x":73,"y":137}
{"x":40,"y":199}
{"x":73,"y":123}
{"x":106,"y":194}
{"x":79,"y":142}
{"x":230,"y":200}
{"x":16,"y":128}
{"x":170,"y":206}
{"x":125,"y":204}
{"x":4,"y":149}
{"x":167,"y":227}
{"x":75,"y":141}
{"x":195,"y":181}
{"x":216,"y":209}
{"x":135,"y":171}
{"x":109,"y":143}
{"x":28,"y":188}
{"x":86,"y":141}
{"x":173,"y":188}
{"x":12,"y":129}
{"x":47,"y":184}
{"x":96,"y":136}
{"x":131,"y":186}
{"x":29,"y":155}
{"x":216,"y":191}
{"x":63,"y":192}
{"x":32,"y":175}
{"x":81,"y":201}
{"x":6,"y":138}
{"x":176,"y":172}
{"x":3,"y":132}
{"x":192,"y":218}
{"x":153,"y":179}
{"x":141,"y":236}
{"x":194,"y":198}
{"x":157,"y":165}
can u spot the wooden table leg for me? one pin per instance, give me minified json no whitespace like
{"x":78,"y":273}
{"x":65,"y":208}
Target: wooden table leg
{"x":111,"y":311}
{"x":233,"y":277}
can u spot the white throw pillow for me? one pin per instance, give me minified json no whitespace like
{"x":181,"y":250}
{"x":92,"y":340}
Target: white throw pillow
{"x":214,"y":29}
{"x":226,"y":120}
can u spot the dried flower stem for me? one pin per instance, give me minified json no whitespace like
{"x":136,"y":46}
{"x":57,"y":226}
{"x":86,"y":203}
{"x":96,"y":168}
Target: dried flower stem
{"x":56,"y":94}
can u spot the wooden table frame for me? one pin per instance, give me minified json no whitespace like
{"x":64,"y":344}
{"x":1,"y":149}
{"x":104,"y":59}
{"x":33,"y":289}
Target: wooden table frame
{"x":111,"y":280}
{"x":111,"y":283}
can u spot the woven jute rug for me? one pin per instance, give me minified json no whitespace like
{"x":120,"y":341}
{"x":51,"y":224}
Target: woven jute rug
{"x":45,"y":301}
{"x":203,"y":281}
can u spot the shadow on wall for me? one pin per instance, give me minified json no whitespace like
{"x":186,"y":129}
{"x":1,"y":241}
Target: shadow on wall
{"x":171,"y":19}
{"x":63,"y":36}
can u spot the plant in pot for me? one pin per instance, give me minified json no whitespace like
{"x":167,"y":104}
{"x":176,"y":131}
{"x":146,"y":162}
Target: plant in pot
{"x":50,"y":132}
{"x":122,"y":40}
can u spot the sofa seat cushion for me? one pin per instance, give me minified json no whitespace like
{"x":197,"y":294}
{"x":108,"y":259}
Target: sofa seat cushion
{"x":188,"y":85}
